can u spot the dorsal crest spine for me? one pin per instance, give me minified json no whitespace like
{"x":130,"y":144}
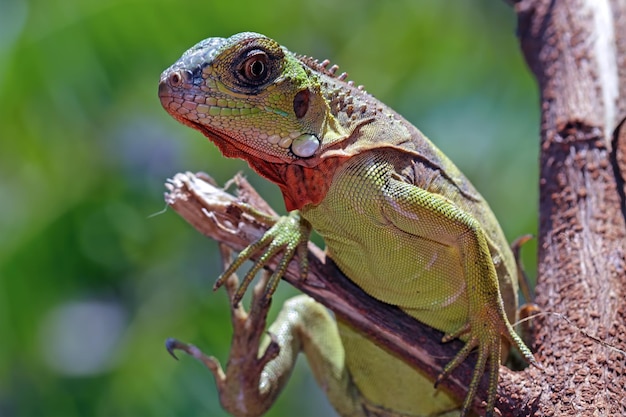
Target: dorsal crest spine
{"x":323,"y":67}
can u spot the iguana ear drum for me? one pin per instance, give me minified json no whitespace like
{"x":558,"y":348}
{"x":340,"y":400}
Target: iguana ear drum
{"x":301,"y":103}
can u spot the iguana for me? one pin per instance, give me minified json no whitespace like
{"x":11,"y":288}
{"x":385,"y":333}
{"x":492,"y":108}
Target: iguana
{"x":397,"y":217}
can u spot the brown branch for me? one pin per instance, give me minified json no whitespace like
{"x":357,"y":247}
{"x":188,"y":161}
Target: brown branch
{"x":576,"y":49}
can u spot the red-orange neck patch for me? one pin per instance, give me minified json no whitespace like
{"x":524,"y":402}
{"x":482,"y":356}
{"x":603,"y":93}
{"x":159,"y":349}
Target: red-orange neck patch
{"x":301,"y":185}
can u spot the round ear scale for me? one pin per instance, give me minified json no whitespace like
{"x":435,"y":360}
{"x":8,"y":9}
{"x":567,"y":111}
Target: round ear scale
{"x":305,"y":145}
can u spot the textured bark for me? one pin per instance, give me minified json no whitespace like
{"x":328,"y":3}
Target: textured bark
{"x":577,"y":51}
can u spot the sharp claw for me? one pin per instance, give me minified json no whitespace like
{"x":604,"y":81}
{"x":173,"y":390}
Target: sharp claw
{"x":271,"y":352}
{"x":517,"y":243}
{"x":219,"y":282}
{"x":241,"y":291}
{"x":236,"y":300}
{"x":171,"y":345}
{"x":438,"y":381}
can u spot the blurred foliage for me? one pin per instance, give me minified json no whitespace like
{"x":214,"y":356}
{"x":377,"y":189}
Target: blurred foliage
{"x":94,"y":275}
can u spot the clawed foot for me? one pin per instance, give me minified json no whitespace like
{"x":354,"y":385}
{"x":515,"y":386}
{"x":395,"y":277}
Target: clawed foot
{"x":240,"y":386}
{"x":289,"y":235}
{"x":484,"y":334}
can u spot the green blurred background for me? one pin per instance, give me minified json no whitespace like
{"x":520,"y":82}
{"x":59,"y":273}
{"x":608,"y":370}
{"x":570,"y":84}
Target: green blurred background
{"x":94,"y":275}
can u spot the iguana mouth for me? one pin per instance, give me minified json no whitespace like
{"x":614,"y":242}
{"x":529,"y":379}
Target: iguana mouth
{"x":215,"y":136}
{"x":230,"y":146}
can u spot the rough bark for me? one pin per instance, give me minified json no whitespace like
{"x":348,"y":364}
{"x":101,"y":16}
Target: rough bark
{"x":577,"y":51}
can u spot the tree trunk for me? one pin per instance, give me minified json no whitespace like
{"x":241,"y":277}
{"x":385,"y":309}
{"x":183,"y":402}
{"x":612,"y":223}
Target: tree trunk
{"x":577,"y":51}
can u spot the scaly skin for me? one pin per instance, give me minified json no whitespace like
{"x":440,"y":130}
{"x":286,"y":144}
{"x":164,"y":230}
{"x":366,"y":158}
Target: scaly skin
{"x":398,"y":218}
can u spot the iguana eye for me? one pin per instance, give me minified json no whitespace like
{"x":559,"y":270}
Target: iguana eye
{"x":254,"y":69}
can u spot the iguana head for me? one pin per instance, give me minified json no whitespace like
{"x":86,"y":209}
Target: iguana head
{"x":290,"y":117}
{"x":250,"y":96}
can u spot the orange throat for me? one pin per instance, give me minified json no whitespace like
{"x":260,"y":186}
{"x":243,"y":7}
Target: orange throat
{"x":301,"y":185}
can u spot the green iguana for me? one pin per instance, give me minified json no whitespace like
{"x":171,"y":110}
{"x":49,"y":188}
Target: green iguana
{"x":398,"y":218}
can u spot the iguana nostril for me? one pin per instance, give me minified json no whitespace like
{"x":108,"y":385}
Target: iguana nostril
{"x":175,"y":79}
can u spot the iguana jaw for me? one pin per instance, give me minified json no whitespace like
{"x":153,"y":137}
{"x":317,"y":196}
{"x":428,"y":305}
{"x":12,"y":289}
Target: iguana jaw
{"x":229,"y":146}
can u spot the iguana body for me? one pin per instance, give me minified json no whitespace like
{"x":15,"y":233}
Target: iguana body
{"x":398,"y":218}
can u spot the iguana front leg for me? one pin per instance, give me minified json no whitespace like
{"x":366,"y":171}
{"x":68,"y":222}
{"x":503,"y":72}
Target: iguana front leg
{"x":289,"y":234}
{"x":486,"y":321}
{"x":260,"y":362}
